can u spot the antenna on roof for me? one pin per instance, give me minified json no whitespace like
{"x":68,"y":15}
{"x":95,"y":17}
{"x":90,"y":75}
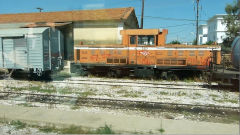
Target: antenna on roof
{"x":40,"y":9}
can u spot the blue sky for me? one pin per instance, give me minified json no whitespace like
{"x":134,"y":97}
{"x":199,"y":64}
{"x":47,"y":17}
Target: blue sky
{"x":155,"y":10}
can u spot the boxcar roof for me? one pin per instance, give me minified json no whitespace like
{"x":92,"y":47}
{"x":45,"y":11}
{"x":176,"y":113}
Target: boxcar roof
{"x":21,"y":31}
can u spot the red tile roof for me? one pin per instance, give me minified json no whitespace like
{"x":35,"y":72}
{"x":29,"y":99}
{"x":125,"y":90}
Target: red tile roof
{"x":69,"y":16}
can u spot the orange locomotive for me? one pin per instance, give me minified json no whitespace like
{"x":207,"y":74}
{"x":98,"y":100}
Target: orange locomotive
{"x":143,"y":53}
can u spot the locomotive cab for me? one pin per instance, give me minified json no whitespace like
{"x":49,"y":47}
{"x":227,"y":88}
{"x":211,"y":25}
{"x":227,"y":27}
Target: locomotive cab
{"x":144,"y":37}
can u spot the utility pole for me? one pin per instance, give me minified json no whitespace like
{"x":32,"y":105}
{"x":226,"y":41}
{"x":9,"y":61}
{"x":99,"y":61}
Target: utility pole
{"x":197,"y":21}
{"x":40,"y":9}
{"x":142,"y":14}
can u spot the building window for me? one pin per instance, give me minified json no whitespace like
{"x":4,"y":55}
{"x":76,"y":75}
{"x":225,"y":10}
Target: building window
{"x":146,"y":40}
{"x":132,"y":40}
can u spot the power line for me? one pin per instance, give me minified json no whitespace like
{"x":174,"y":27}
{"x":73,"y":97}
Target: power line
{"x":178,"y":25}
{"x":171,"y":19}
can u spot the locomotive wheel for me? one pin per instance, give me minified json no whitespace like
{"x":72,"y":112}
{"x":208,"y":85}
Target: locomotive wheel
{"x":173,"y":77}
{"x":112,"y":74}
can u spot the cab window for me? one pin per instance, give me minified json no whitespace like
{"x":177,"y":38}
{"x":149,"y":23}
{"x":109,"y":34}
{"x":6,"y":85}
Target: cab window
{"x":133,"y":40}
{"x":146,"y":40}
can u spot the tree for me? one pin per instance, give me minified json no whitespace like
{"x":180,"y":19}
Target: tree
{"x":175,"y":42}
{"x":194,"y":42}
{"x":210,"y":43}
{"x":232,"y":23}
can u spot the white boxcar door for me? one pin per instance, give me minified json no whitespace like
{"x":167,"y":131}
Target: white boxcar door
{"x":1,"y":54}
{"x":8,"y":53}
{"x":21,"y":53}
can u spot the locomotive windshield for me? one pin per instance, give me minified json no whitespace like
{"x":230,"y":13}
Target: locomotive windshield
{"x":146,"y":40}
{"x":133,"y":40}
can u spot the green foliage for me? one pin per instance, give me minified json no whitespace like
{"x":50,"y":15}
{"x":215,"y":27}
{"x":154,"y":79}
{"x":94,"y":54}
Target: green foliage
{"x":18,"y":124}
{"x":233,"y":26}
{"x":76,"y":130}
{"x":226,"y":48}
{"x":210,"y":43}
{"x":175,"y":42}
{"x":161,"y":130}
{"x":104,"y":130}
{"x":73,"y":130}
{"x":48,"y":129}
{"x":194,"y":42}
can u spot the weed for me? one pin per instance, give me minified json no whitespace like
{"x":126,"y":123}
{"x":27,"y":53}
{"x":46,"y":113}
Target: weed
{"x":87,"y":93}
{"x":188,"y":80}
{"x":26,"y":105}
{"x":18,"y":124}
{"x":116,"y":87}
{"x":105,"y":130}
{"x":214,"y":95}
{"x":164,"y":93}
{"x":197,"y":94}
{"x":161,"y":130}
{"x":73,"y":130}
{"x":133,"y":94}
{"x":48,"y":129}
{"x":181,"y":93}
{"x":150,"y":132}
{"x":226,"y":100}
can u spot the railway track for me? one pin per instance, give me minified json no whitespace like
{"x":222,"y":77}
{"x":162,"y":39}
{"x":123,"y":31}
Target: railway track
{"x":111,"y":103}
{"x":134,"y":84}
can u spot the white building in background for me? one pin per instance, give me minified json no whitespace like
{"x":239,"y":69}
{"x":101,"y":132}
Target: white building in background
{"x":216,"y":28}
{"x":202,"y":34}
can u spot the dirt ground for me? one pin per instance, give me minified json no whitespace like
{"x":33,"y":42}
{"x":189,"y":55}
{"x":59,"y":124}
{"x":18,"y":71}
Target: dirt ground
{"x":122,"y":120}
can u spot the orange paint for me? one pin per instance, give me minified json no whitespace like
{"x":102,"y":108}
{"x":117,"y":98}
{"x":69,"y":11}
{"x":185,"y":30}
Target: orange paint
{"x":147,"y":47}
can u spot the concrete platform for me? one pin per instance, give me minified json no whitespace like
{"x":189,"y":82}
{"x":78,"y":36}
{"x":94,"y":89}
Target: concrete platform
{"x":120,"y":122}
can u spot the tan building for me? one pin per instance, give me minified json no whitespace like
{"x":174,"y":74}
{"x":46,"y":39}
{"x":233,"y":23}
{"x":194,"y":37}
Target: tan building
{"x":79,"y":26}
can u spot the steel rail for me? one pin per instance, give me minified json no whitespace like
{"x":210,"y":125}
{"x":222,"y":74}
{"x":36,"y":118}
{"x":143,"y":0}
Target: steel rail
{"x":146,"y":104}
{"x":134,"y":82}
{"x":131,"y":84}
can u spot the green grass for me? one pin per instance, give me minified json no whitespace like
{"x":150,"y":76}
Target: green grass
{"x":18,"y":124}
{"x":214,"y":95}
{"x":133,"y":94}
{"x":180,"y":93}
{"x":104,"y":130}
{"x":47,"y":129}
{"x":161,"y":130}
{"x":234,"y":101}
{"x":164,"y":93}
{"x":26,"y":105}
{"x":188,"y":80}
{"x":87,"y":93}
{"x":197,"y":94}
{"x":76,"y":130}
{"x":42,"y":89}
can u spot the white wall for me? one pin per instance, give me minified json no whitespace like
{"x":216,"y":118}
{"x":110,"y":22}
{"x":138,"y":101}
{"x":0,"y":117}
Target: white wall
{"x":203,"y":31}
{"x":216,"y":29}
{"x":90,"y":33}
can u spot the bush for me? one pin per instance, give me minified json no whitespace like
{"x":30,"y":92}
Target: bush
{"x":175,"y":42}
